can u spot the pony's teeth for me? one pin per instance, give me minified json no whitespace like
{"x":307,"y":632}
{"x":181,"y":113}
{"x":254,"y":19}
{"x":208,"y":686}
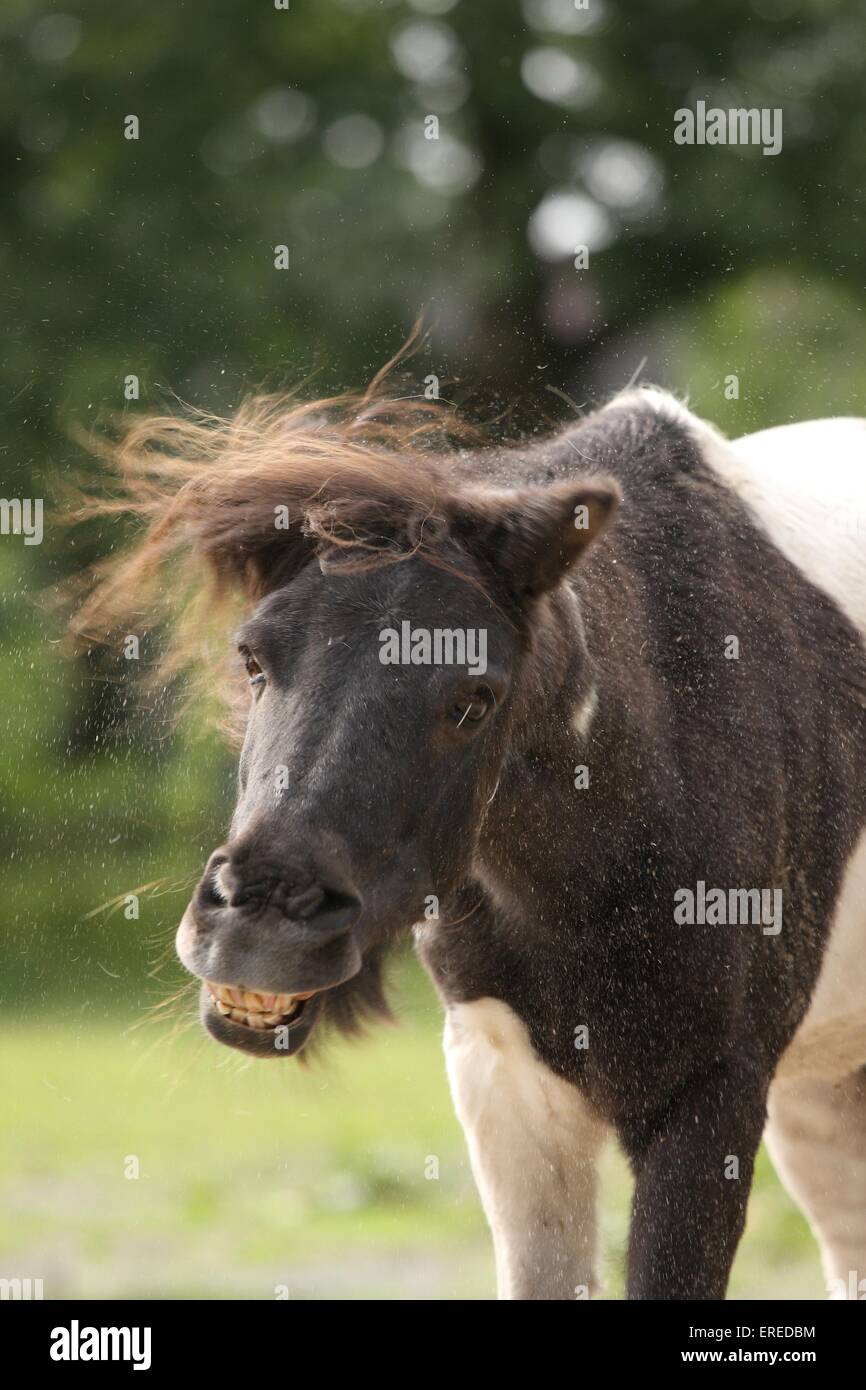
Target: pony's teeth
{"x":254,"y":1008}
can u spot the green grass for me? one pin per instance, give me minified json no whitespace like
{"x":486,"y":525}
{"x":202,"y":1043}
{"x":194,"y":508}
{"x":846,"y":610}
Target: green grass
{"x":258,"y":1175}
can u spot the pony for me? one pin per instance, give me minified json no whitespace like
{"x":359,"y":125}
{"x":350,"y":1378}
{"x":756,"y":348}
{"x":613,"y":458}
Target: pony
{"x":667,"y":710}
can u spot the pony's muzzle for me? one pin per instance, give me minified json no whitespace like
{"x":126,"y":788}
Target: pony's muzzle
{"x":271,"y":923}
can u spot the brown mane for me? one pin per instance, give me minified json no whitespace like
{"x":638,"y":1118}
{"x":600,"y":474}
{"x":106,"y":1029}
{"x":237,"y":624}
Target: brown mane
{"x":364,"y":475}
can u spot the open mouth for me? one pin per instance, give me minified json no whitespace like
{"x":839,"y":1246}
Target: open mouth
{"x":252,"y":1008}
{"x":259,"y":1022}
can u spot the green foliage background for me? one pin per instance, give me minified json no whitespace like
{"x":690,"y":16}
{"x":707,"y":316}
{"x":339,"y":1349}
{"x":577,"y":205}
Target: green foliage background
{"x":155,"y":257}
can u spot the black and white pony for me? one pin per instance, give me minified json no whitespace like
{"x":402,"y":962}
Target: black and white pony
{"x":624,"y":796}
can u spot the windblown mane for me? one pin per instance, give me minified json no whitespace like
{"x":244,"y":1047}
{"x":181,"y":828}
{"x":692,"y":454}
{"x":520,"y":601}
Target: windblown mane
{"x":228,"y":509}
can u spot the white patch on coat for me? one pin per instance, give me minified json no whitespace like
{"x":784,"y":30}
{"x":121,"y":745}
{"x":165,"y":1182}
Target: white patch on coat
{"x":534,"y":1144}
{"x":805,"y":484}
{"x":583,"y":716}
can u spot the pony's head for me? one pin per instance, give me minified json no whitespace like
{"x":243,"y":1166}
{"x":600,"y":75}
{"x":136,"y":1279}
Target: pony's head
{"x":387,"y":630}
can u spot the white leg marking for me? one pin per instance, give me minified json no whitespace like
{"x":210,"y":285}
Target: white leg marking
{"x":533,"y":1143}
{"x":817,"y":1138}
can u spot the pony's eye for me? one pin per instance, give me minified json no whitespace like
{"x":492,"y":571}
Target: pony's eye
{"x":254,"y":670}
{"x":471,"y":709}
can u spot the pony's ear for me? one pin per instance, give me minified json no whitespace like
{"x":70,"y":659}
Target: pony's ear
{"x":530,"y":537}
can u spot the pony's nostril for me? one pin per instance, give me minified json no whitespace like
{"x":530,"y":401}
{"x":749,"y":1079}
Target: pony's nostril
{"x":318,"y":906}
{"x":340,"y":910}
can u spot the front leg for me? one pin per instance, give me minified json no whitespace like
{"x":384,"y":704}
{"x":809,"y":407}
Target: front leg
{"x":694,"y":1170}
{"x":533,"y":1143}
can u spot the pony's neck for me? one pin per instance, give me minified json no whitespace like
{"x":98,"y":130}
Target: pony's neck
{"x":581,"y":777}
{"x":561,"y":695}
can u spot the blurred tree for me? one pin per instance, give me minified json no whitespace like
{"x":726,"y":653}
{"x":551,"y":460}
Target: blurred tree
{"x":308,"y":127}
